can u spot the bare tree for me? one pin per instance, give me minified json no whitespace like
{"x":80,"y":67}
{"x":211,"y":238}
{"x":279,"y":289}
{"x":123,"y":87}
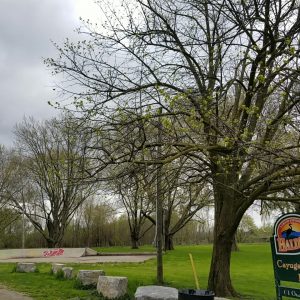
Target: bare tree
{"x":184,"y":201}
{"x":183,"y":197}
{"x":6,"y":175}
{"x":184,"y":191}
{"x":136,"y":195}
{"x":8,"y":214}
{"x":53,"y":171}
{"x":226,"y":71}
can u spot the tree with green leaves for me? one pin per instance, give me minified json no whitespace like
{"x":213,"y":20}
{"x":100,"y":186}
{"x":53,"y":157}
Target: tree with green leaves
{"x":226,"y":73}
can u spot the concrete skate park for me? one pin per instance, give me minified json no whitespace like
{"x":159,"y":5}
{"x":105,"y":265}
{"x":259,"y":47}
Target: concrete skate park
{"x":70,"y":255}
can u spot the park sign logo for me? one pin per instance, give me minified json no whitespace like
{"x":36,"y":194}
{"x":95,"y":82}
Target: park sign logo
{"x":285,"y":245}
{"x":287,"y":235}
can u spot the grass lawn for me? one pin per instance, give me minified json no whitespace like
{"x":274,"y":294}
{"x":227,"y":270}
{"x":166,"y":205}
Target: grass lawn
{"x":251,"y":271}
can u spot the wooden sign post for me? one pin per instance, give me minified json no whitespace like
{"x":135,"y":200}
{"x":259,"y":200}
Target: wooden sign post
{"x":285,"y":245}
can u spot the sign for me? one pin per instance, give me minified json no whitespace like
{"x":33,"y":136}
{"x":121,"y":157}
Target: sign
{"x":287,"y":234}
{"x":285,"y":245}
{"x":289,"y":292}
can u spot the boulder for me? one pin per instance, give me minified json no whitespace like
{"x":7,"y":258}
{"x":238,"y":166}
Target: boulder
{"x":26,"y":267}
{"x":68,"y":272}
{"x":56,"y":267}
{"x":112,"y":287}
{"x":89,"y":277}
{"x":154,"y":292}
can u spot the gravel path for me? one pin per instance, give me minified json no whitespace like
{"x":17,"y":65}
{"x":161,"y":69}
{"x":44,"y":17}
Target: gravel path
{"x":6,"y":294}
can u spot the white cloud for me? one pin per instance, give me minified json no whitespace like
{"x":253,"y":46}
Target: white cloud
{"x":26,"y":30}
{"x":87,"y":9}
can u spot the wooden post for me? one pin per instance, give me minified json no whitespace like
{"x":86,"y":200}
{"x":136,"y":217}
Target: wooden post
{"x":194,"y":271}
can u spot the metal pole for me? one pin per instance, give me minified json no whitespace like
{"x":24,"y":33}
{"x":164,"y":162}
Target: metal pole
{"x":159,"y":205}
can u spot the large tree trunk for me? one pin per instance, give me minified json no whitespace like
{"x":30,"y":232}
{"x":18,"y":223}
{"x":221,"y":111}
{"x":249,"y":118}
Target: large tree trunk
{"x":50,"y":243}
{"x":169,"y":242}
{"x":134,"y":242}
{"x":219,"y":277}
{"x":229,"y":210}
{"x":55,"y":235}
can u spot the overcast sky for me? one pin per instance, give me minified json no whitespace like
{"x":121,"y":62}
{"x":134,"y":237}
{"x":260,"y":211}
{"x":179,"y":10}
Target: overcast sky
{"x":26,"y":30}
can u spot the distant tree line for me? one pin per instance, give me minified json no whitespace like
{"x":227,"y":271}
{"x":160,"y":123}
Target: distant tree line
{"x":98,"y":225}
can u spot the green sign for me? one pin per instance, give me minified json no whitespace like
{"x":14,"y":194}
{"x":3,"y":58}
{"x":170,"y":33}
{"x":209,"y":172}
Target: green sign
{"x":289,"y":292}
{"x":285,"y":245}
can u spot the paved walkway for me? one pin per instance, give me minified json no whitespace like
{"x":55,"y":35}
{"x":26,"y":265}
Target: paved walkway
{"x":6,"y":294}
{"x":83,"y":259}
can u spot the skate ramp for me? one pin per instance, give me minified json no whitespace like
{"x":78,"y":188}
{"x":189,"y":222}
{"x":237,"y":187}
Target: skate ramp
{"x":46,"y":253}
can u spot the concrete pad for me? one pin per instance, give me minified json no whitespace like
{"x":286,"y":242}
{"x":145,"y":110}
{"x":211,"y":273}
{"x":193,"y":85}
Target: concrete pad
{"x":84,"y":259}
{"x":42,"y":253}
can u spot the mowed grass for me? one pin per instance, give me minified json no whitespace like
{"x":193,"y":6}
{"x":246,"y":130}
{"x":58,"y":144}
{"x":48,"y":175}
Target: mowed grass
{"x":40,"y":285}
{"x":120,"y":249}
{"x":252,"y":273}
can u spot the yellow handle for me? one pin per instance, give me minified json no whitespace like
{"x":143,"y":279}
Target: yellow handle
{"x":194,"y":271}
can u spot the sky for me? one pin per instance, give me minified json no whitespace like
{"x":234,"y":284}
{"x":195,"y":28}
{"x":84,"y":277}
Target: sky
{"x":27,"y":28}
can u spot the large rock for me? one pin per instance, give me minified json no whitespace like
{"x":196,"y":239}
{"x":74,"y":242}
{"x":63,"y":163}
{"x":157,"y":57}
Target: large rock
{"x":112,"y":287}
{"x":154,"y":292}
{"x":89,"y":277}
{"x":26,"y":267}
{"x":56,"y":267}
{"x":68,"y":272}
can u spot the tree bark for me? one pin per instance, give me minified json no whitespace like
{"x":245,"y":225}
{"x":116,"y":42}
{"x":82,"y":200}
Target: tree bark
{"x":50,"y":243}
{"x":169,"y":245}
{"x":219,"y":277}
{"x":134,"y":242}
{"x":55,"y":235}
{"x":235,"y":247}
{"x":228,"y":215}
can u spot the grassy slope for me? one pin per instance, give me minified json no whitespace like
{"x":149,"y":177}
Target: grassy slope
{"x":252,"y":273}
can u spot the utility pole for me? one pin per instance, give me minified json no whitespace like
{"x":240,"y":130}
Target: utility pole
{"x":159,"y":205}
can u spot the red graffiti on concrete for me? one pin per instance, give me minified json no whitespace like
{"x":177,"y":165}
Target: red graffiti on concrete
{"x":55,"y":252}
